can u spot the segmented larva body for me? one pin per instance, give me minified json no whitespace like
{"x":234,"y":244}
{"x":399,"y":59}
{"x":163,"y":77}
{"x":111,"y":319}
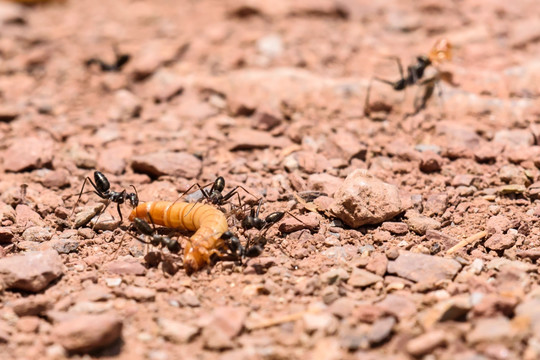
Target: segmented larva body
{"x":208,"y":223}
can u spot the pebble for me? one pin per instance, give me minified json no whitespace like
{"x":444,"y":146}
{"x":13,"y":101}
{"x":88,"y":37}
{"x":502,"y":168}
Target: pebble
{"x":62,"y":246}
{"x":85,"y":216}
{"x":56,"y":179}
{"x":27,"y":217}
{"x":444,"y":240}
{"x":324,"y":183}
{"x":498,"y":224}
{"x":487,"y":154}
{"x":28,"y":324}
{"x":453,"y":309}
{"x":37,"y":233}
{"x":246,"y":139}
{"x":334,"y":275}
{"x":361,"y":278}
{"x":270,"y":46}
{"x":85,"y":333}
{"x":176,"y":331}
{"x":168,"y":163}
{"x":491,"y":330}
{"x":377,"y":264}
{"x":436,"y":204}
{"x":32,"y":271}
{"x":31,"y":305}
{"x":426,"y":343}
{"x":400,"y":306}
{"x":367,"y":313}
{"x":462,"y":180}
{"x":139,"y":293}
{"x":323,"y":323}
{"x":28,"y":153}
{"x":423,"y":268}
{"x":126,"y":266}
{"x":125,"y":106}
{"x":6,"y":235}
{"x":290,"y":224}
{"x":342,"y":307}
{"x":381,"y":330}
{"x":430,"y":162}
{"x":189,"y":298}
{"x":514,"y":138}
{"x":499,"y":241}
{"x":419,"y":223}
{"x":363,"y":199}
{"x":396,"y":228}
{"x":225,"y":324}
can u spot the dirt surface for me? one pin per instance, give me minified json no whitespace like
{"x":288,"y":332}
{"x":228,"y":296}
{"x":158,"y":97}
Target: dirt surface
{"x":428,"y":249}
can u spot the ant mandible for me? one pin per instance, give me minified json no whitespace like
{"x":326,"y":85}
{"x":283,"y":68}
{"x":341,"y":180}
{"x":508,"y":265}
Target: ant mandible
{"x":441,"y":51}
{"x":102,"y":188}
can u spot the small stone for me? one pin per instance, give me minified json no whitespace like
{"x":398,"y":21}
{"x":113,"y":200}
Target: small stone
{"x":85,"y":333}
{"x":436,"y":204}
{"x":487,"y":154}
{"x":426,"y":343}
{"x":126,"y":266}
{"x":324,"y":183}
{"x":499,"y":241}
{"x":189,"y":298}
{"x":63,"y":246}
{"x":420,"y":223}
{"x":56,"y":179}
{"x":453,"y":309}
{"x":85,"y":216}
{"x":367,"y":313}
{"x":27,"y":217}
{"x":140,"y":293}
{"x":28,"y":153}
{"x":246,"y":139}
{"x":381,"y":330}
{"x":514,"y":138}
{"x":168,"y":163}
{"x":396,"y":228}
{"x":321,"y":322}
{"x":498,"y":224}
{"x":361,"y":278}
{"x":290,"y":224}
{"x":363,"y":199}
{"x":225,"y":324}
{"x":32,"y":271}
{"x":31,"y":306}
{"x":6,"y":235}
{"x":86,"y":233}
{"x":342,"y":307}
{"x":270,"y":46}
{"x":126,"y":106}
{"x":512,"y":174}
{"x":444,"y":240}
{"x":398,"y":305}
{"x":377,"y":264}
{"x":266,"y":119}
{"x":491,"y":330}
{"x":177,"y":332}
{"x":28,"y":324}
{"x":462,"y":180}
{"x":37,"y":233}
{"x":113,"y":282}
{"x":334,"y":275}
{"x":430,"y":162}
{"x":423,"y":268}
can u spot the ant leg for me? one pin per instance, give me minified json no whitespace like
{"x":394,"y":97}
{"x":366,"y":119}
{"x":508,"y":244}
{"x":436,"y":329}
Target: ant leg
{"x":80,"y":194}
{"x":234,"y":190}
{"x":205,"y":194}
{"x":421,"y":102}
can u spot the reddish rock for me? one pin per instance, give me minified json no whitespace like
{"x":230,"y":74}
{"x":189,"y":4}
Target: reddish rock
{"x":377,"y":264}
{"x":361,"y":278}
{"x":56,"y":179}
{"x":363,"y":199}
{"x":381,"y":330}
{"x":499,"y":241}
{"x":27,"y":217}
{"x":266,"y":119}
{"x":436,"y":204}
{"x":6,"y":235}
{"x":396,"y":228}
{"x":430,"y":162}
{"x":246,"y":139}
{"x":426,"y":343}
{"x":420,"y":223}
{"x":139,"y":293}
{"x":290,"y":224}
{"x":176,"y":331}
{"x":85,"y":333}
{"x":514,"y":138}
{"x":125,"y":266}
{"x":325,"y":183}
{"x":400,"y":306}
{"x":498,"y":224}
{"x":225,"y":324}
{"x":168,"y":163}
{"x":28,"y":153}
{"x":368,"y":313}
{"x":446,"y":241}
{"x":423,"y":268}
{"x":32,"y":271}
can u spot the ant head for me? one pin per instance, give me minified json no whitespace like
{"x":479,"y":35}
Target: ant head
{"x":102,"y":183}
{"x":133,"y":197}
{"x":423,"y":60}
{"x":227,"y":235}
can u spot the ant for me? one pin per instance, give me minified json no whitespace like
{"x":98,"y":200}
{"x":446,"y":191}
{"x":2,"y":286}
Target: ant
{"x":441,"y":51}
{"x":154,"y":258}
{"x":102,"y":188}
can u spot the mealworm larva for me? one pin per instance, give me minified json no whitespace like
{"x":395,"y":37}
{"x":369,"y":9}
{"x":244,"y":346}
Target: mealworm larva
{"x":208,"y":223}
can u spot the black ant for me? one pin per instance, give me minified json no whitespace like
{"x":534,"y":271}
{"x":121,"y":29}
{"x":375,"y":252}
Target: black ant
{"x":102,"y":188}
{"x":441,"y":51}
{"x":153,"y":258}
{"x":238,"y":250}
{"x":215,"y":194}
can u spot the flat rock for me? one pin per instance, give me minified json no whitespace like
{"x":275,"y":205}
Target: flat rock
{"x":28,"y":153}
{"x":396,"y":228}
{"x":491,"y":330}
{"x":245,"y":139}
{"x":400,"y":306}
{"x":423,"y":268}
{"x":381,"y":330}
{"x":499,"y":242}
{"x":32,"y":271}
{"x":426,"y":343}
{"x":85,"y":333}
{"x":140,"y":293}
{"x":361,"y":278}
{"x":31,"y":305}
{"x":290,"y":224}
{"x":27,"y":217}
{"x":363,"y":199}
{"x":168,"y":163}
{"x":125,"y":106}
{"x":226,"y":323}
{"x":125,"y":266}
{"x":446,"y":241}
{"x":324,"y":183}
{"x":176,"y":331}
{"x":452,"y":309}
{"x":514,"y":138}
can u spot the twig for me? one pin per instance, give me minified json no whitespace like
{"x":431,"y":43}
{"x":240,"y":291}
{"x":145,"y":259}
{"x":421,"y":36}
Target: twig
{"x":471,"y":239}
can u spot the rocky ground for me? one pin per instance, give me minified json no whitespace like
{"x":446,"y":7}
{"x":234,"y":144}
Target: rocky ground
{"x":419,"y":235}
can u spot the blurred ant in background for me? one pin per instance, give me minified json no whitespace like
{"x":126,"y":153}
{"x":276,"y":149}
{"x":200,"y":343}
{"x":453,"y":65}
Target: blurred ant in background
{"x":120,"y":61}
{"x":441,"y":51}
